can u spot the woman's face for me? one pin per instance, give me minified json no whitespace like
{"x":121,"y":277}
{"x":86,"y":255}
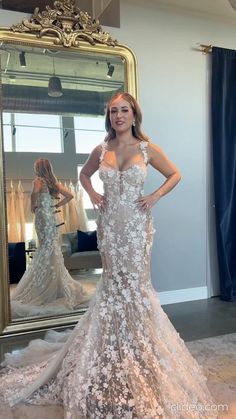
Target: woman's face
{"x":121,"y":115}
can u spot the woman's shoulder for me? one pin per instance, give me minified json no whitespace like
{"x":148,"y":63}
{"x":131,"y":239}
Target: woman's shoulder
{"x":151,"y":149}
{"x":38,"y":181}
{"x":154,"y":152}
{"x":155,"y":146}
{"x":99,"y":150}
{"x":37,"y":184}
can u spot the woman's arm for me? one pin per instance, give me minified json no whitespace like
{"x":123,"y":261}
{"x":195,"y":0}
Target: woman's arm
{"x":160,"y":162}
{"x":89,"y":168}
{"x":66,"y":193}
{"x":36,"y":188}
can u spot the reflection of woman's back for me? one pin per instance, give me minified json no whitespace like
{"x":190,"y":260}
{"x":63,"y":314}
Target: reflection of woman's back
{"x":45,"y":218}
{"x":46,"y":287}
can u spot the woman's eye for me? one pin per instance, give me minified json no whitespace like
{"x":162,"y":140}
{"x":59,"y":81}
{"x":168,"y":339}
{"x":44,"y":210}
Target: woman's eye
{"x":122,"y":110}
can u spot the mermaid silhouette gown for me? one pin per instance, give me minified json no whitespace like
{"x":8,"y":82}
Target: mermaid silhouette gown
{"x":46,"y":287}
{"x":124,"y":359}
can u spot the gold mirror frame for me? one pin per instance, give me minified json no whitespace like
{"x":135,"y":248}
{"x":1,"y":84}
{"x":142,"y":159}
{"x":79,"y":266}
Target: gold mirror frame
{"x":63,"y":28}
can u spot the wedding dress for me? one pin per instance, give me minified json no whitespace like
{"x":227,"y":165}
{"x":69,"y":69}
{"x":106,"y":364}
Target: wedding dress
{"x":124,"y":359}
{"x":46,"y":287}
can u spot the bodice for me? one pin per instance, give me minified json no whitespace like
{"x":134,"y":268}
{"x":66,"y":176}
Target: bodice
{"x":45,"y":200}
{"x":127,"y":185}
{"x":45,"y":218}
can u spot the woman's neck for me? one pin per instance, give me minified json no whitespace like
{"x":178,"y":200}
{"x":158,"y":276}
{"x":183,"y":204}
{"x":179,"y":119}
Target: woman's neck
{"x":125,"y":138}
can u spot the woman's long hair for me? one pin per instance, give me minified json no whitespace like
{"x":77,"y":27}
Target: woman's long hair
{"x":136,"y":129}
{"x":44,"y":170}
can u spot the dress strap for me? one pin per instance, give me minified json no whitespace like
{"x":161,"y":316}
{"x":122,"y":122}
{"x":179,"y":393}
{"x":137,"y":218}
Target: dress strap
{"x":41,"y":179}
{"x":103,"y":151}
{"x":143,"y":148}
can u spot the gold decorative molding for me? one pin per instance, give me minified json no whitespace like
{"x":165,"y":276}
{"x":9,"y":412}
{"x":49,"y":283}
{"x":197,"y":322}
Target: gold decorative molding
{"x":67,"y":24}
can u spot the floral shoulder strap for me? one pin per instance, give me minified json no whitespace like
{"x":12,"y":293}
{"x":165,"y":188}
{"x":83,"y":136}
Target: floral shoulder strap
{"x":103,"y":151}
{"x":144,"y":149}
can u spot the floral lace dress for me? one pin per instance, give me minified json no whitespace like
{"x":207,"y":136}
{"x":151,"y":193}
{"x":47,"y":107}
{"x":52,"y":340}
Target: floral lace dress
{"x":46,"y":287}
{"x":124,"y":359}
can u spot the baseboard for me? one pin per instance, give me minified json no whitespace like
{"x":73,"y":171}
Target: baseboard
{"x":186,"y":294}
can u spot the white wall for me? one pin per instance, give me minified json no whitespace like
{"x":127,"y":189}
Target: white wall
{"x":173,"y":92}
{"x":8,"y":18}
{"x":174,"y":95}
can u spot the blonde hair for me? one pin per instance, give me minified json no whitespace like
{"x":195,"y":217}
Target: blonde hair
{"x":44,"y":170}
{"x":136,"y":129}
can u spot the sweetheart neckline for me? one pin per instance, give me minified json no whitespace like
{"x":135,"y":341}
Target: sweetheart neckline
{"x":115,"y":169}
{"x":141,"y":148}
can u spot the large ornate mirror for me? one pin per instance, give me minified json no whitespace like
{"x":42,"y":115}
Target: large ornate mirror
{"x":58,"y":70}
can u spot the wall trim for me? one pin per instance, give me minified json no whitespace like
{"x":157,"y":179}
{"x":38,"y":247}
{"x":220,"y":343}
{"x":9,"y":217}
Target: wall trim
{"x":185,"y":294}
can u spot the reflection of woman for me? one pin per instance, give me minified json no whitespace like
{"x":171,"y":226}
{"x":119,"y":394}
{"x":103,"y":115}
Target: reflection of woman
{"x":124,"y":358}
{"x":47,"y":287}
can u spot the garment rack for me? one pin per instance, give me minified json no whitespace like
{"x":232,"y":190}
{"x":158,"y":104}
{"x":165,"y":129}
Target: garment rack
{"x":32,"y":178}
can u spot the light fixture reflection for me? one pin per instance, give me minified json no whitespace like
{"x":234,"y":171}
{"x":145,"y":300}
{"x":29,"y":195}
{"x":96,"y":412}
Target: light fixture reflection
{"x":22,"y":59}
{"x":110,"y":71}
{"x":54,"y":87}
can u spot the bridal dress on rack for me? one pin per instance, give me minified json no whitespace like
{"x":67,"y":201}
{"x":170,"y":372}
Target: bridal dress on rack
{"x":13,"y":234}
{"x":47,"y":287}
{"x":74,"y":213}
{"x":124,"y":359}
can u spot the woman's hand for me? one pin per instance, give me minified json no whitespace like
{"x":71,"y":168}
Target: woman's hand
{"x":56,"y":209}
{"x":97,"y":200}
{"x":145,"y":203}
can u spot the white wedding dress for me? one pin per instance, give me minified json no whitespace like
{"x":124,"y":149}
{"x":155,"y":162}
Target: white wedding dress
{"x":46,"y":287}
{"x":124,"y":359}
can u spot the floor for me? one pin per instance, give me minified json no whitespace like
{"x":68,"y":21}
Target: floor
{"x":209,"y":330}
{"x":193,"y":320}
{"x":202,"y":318}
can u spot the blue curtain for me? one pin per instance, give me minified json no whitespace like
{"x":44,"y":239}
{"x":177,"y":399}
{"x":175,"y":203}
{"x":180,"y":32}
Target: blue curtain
{"x":224,"y":165}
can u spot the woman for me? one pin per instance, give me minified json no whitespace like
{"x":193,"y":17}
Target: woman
{"x":47,"y":287}
{"x":124,"y":359}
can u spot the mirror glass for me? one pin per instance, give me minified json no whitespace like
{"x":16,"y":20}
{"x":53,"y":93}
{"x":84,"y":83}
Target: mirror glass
{"x":53,"y":107}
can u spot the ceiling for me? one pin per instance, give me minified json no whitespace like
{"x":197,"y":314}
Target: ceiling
{"x":25,"y":6}
{"x":28,"y":6}
{"x":108,"y":11}
{"x":86,"y":86}
{"x":77,"y":71}
{"x":220,"y":9}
